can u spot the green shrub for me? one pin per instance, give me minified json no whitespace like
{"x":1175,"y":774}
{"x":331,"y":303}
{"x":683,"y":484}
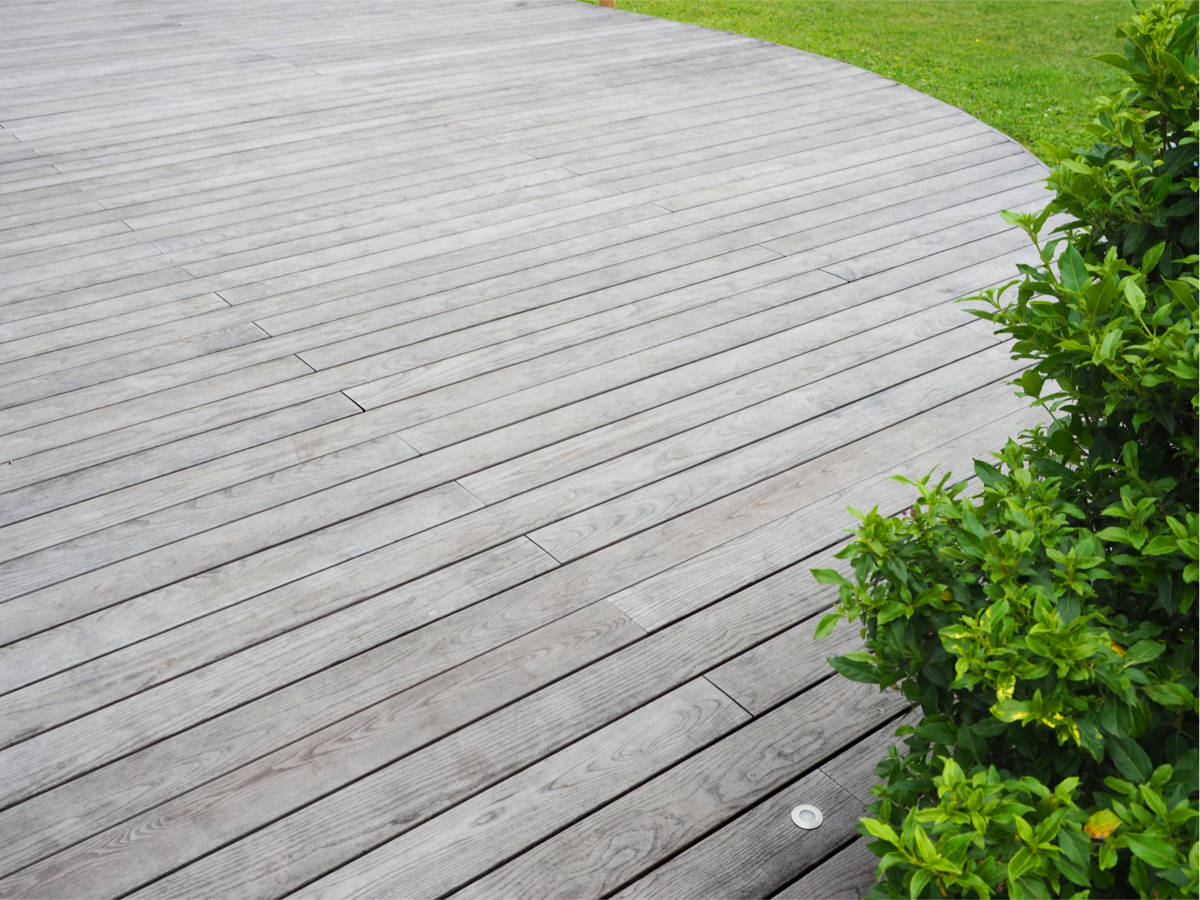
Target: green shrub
{"x":1046,"y":623}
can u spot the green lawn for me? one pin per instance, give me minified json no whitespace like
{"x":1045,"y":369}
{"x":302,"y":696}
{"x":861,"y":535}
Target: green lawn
{"x":1022,"y":66}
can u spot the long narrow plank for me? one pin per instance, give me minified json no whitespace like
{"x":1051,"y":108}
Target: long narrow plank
{"x":103,"y":182}
{"x":137,"y":412}
{"x":761,"y":850}
{"x":524,"y":512}
{"x":617,"y":843}
{"x":19,"y":615}
{"x":395,"y":727}
{"x":239,"y":736}
{"x":94,"y":481}
{"x":163,"y":526}
{"x":263,"y":207}
{"x":639,"y":47}
{"x":847,"y":875}
{"x":56,"y":432}
{"x":765,"y":389}
{"x":52,"y":758}
{"x":74,"y":307}
{"x":404,"y":795}
{"x":180,"y":329}
{"x":759,"y":550}
{"x":681,"y":237}
{"x":381,"y":335}
{"x":697,"y":361}
{"x":723,"y":473}
{"x":113,"y":510}
{"x":83,"y":228}
{"x":151,"y":355}
{"x":471,"y":837}
{"x":297,"y":630}
{"x":81,"y":252}
{"x":163,"y":537}
{"x":36,"y":656}
{"x":952,"y":285}
{"x":589,"y":576}
{"x":165,"y":285}
{"x":473,"y":392}
{"x":394,"y":387}
{"x":709,"y":529}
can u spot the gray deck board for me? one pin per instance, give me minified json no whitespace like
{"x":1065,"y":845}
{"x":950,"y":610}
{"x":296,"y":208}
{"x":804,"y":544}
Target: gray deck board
{"x":416,"y":427}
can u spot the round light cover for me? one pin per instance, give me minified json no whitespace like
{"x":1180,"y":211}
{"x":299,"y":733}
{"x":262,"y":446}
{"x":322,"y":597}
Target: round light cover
{"x":806,"y":816}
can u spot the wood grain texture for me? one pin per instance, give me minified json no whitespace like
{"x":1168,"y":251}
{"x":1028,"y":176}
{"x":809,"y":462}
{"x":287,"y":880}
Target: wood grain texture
{"x":760,"y":850}
{"x":412,"y":457}
{"x":393,"y":800}
{"x":520,"y":810}
{"x":847,"y":875}
{"x":627,"y":837}
{"x":237,"y":737}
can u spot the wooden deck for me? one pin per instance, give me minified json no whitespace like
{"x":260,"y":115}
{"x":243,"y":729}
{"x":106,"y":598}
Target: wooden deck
{"x":419,"y":420}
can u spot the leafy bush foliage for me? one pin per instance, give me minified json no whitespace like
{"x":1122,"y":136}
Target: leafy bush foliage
{"x":1046,"y":623}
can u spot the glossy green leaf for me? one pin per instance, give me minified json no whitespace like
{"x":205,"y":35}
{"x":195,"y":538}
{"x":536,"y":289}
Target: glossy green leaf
{"x":857,"y":666}
{"x":989,"y":474}
{"x":1171,"y":694}
{"x":1153,"y":850}
{"x":1073,"y":269}
{"x":829,"y":576}
{"x":1113,"y":59}
{"x":1130,"y":759}
{"x":826,"y":626}
{"x":920,"y":880}
{"x":881,"y":830}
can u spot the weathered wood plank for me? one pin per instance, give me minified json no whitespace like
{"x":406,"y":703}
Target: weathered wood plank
{"x":42,"y":553}
{"x":402,"y":796}
{"x":288,"y":778}
{"x":335,"y":614}
{"x":47,"y":494}
{"x":627,"y":574}
{"x":679,"y":367}
{"x":492,"y":525}
{"x":765,"y":676}
{"x":316,"y":322}
{"x":717,"y":474}
{"x":588,"y":576}
{"x":523,"y":808}
{"x":379,"y":318}
{"x":622,"y":840}
{"x":150,"y":356}
{"x":778,"y":542}
{"x":762,"y":849}
{"x":846,"y":371}
{"x":847,"y":875}
{"x":237,"y":737}
{"x":49,"y":429}
{"x":597,"y":444}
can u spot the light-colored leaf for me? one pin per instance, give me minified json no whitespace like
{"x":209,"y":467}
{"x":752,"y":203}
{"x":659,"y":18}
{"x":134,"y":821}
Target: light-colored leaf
{"x":881,"y":830}
{"x":1101,"y":824}
{"x":827,"y":624}
{"x":1073,"y":269}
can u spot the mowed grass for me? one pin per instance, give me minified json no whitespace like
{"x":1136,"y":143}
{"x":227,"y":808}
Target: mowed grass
{"x":1022,"y":66}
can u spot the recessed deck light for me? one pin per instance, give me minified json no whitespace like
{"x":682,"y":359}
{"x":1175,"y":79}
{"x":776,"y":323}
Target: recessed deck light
{"x":806,"y":816}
